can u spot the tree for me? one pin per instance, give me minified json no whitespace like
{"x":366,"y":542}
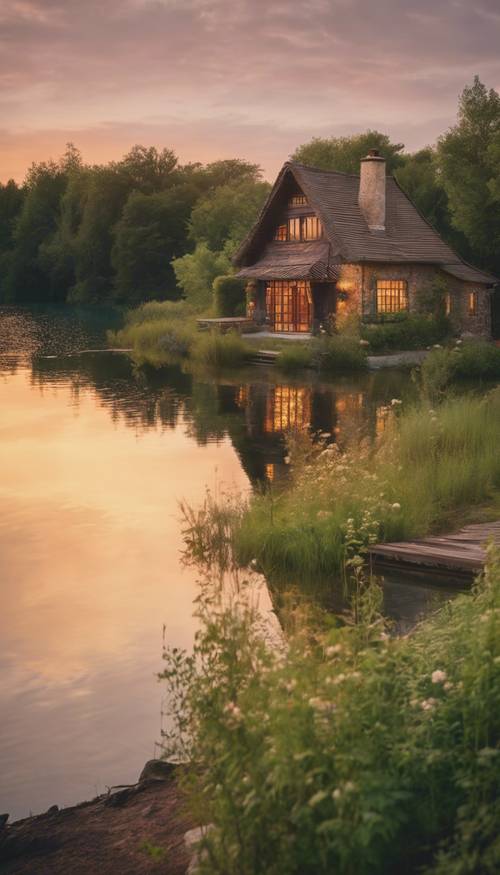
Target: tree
{"x":11,"y":201}
{"x":468,"y":160}
{"x":27,"y":279}
{"x":147,"y":169}
{"x":196,"y":272}
{"x":227,"y":213}
{"x":419,"y":177}
{"x":151,"y":232}
{"x":345,"y":153}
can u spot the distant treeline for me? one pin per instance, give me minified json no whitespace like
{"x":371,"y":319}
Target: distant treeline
{"x":147,"y":227}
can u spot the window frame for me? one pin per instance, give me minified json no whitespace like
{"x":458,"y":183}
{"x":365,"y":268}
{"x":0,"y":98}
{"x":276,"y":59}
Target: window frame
{"x":300,"y":225}
{"x":472,"y":303}
{"x":396,"y":291}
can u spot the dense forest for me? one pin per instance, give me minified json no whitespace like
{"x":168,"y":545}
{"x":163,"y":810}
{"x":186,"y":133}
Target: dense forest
{"x":148,"y":227}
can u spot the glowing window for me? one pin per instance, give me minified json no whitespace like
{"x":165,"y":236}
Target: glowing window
{"x":472,"y":303}
{"x":294,"y":229}
{"x":447,"y":303}
{"x":298,"y":200}
{"x":311,"y":228}
{"x":392,"y":296}
{"x":281,"y":232}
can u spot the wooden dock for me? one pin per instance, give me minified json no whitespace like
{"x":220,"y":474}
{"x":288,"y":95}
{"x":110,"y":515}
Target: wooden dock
{"x":462,"y":553}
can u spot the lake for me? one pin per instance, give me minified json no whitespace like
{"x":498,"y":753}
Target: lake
{"x":95,"y":454}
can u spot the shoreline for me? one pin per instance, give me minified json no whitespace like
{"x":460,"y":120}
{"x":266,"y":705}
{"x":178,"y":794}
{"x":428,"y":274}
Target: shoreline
{"x":134,"y":830}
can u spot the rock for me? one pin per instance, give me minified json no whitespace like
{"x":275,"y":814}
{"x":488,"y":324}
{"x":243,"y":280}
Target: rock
{"x":53,"y":809}
{"x":3,"y":820}
{"x":157,"y":770}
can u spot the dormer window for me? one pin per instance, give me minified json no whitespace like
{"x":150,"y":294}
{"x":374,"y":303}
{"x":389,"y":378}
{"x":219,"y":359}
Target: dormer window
{"x":298,"y":200}
{"x":299,"y":229}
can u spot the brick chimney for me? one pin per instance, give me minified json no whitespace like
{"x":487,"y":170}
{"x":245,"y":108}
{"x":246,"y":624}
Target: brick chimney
{"x":371,"y":196}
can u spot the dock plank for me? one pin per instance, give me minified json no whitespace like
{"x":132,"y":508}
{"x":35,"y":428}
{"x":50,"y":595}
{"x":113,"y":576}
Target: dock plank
{"x":462,"y":551}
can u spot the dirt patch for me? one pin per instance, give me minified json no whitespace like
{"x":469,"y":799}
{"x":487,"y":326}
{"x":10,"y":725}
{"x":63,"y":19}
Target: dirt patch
{"x":107,"y":836}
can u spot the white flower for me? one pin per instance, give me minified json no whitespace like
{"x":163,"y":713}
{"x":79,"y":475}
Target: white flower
{"x":323,"y":514}
{"x":333,"y":649}
{"x":437,"y":346}
{"x":396,"y":506}
{"x":233,"y":712}
{"x":287,"y":460}
{"x":395,"y":402}
{"x":428,"y":704}
{"x":253,"y":563}
{"x":438,"y":676}
{"x":337,"y":793}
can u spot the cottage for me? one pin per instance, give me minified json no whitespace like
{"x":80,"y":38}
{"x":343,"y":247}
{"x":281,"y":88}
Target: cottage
{"x":327,"y":243}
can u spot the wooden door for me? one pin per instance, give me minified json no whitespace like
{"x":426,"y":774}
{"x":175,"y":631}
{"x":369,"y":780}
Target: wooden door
{"x":289,"y":305}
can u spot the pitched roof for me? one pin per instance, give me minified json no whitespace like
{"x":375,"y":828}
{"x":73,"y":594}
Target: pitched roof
{"x":307,"y":261}
{"x":408,"y":237}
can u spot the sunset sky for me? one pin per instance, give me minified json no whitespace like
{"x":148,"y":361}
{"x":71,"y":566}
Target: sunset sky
{"x":233,"y":78}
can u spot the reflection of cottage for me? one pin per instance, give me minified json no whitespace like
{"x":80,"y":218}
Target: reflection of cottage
{"x":329,"y":242}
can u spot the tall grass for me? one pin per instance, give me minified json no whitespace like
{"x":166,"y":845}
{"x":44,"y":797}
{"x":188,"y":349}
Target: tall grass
{"x":476,"y":360}
{"x":427,"y":467}
{"x":161,"y":332}
{"x":346,"y":751}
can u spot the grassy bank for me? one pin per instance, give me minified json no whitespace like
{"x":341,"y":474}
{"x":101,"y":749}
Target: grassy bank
{"x":474,"y":360}
{"x":346,"y":750}
{"x":161,"y":333}
{"x":428,"y":467}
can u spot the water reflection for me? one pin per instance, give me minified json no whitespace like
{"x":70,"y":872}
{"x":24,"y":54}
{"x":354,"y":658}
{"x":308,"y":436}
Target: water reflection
{"x":95,"y":454}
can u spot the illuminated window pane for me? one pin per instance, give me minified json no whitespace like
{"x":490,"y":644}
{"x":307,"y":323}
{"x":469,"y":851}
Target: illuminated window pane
{"x":311,"y":228}
{"x":281,"y":232}
{"x":298,"y":200}
{"x":472,"y":303}
{"x":294,"y":229}
{"x":392,"y":296}
{"x":447,"y":303}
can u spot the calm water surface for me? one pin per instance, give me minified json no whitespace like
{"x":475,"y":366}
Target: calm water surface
{"x":94,"y":457}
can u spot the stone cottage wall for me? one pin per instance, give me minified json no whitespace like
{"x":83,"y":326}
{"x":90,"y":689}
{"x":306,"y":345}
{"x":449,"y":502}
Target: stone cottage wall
{"x":358,"y":283}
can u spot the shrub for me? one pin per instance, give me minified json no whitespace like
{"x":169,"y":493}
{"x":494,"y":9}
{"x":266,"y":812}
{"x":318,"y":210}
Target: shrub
{"x":229,"y":296}
{"x":346,"y":750}
{"x":405,"y":332}
{"x":294,"y":356}
{"x":477,"y":360}
{"x":218,"y":350}
{"x":338,"y":354}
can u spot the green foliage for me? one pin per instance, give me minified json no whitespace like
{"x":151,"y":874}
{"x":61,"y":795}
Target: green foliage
{"x":195,"y":274}
{"x":469,"y":167}
{"x":345,"y":153}
{"x":346,"y":750}
{"x":414,"y":331}
{"x":159,"y":332}
{"x":426,"y":464}
{"x":339,"y":353}
{"x":294,"y":356}
{"x":217,"y":350}
{"x":11,"y":201}
{"x":150,"y":233}
{"x":474,"y":360}
{"x":229,"y":296}
{"x":27,"y":278}
{"x":227,"y":213}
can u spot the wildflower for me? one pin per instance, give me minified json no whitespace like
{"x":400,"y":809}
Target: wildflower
{"x":320,"y":704}
{"x":233,"y":712}
{"x":428,"y":704}
{"x":333,"y":649}
{"x":323,"y":514}
{"x":287,"y":460}
{"x":396,"y":506}
{"x":349,"y":786}
{"x":395,"y":402}
{"x":253,"y":563}
{"x":459,"y":342}
{"x":340,"y":677}
{"x":437,"y":346}
{"x":438,"y":676}
{"x":447,"y":686}
{"x":337,"y":793}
